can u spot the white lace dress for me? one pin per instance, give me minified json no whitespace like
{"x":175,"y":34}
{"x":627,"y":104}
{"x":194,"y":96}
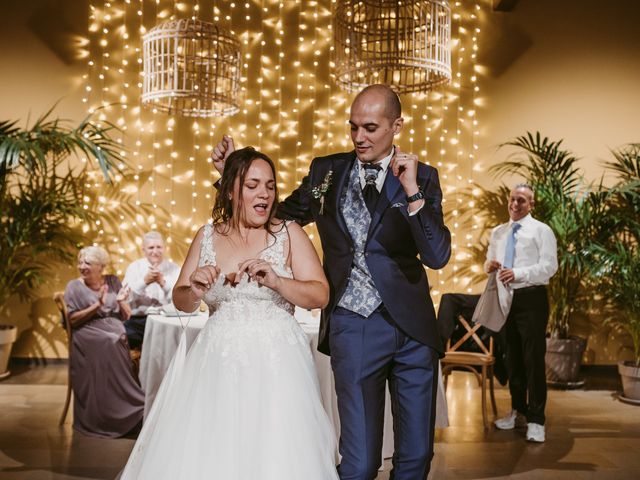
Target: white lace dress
{"x":244,"y":403}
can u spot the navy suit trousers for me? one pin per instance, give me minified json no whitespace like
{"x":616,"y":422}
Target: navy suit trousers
{"x":365,"y":353}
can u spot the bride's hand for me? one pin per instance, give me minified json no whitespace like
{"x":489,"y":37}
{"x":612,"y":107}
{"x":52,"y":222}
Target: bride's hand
{"x":261,"y":271}
{"x":202,"y":279}
{"x":221,"y":152}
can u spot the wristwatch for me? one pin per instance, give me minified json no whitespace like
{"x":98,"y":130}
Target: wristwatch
{"x":415,"y":197}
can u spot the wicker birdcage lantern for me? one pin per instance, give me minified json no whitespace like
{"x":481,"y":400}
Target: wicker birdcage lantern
{"x":404,"y":44}
{"x":191,"y":68}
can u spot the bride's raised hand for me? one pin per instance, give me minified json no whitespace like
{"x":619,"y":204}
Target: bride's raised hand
{"x":261,"y":271}
{"x":202,"y":278}
{"x":221,"y":151}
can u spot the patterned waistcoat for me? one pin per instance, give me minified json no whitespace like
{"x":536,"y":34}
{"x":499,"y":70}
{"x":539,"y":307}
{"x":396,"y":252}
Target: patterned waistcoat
{"x":361,"y":295}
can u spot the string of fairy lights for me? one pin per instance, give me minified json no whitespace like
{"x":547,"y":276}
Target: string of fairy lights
{"x":290,"y":107}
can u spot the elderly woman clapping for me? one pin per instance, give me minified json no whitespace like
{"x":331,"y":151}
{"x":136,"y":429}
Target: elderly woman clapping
{"x":108,"y":401}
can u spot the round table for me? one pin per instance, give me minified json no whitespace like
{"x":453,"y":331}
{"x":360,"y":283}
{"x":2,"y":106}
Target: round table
{"x":162,"y":336}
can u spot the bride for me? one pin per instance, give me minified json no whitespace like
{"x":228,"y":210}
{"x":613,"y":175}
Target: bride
{"x":244,"y":403}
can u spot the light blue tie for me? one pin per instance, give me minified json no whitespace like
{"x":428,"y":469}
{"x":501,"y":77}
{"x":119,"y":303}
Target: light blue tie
{"x":510,"y":250}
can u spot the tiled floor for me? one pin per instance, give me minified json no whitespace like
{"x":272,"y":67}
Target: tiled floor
{"x":590,"y":435}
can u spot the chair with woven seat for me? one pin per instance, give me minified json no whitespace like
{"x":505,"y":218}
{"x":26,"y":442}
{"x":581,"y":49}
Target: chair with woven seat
{"x":58,"y":297}
{"x":483,"y":360}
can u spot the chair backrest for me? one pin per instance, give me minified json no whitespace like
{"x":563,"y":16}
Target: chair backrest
{"x":471,"y":332}
{"x":58,"y":297}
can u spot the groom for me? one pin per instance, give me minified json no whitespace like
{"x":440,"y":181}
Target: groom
{"x":377,"y":209}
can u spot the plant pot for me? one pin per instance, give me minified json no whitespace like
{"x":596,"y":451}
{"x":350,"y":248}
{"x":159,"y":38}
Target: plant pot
{"x":630,"y":375}
{"x":563,"y":359}
{"x":8,"y":335}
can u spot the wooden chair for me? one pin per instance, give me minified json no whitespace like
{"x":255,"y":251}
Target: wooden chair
{"x":454,"y":357}
{"x":58,"y":297}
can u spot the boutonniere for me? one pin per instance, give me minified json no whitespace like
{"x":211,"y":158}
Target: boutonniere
{"x":320,"y":191}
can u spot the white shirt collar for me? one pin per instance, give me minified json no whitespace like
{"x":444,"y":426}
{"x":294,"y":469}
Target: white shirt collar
{"x":522,"y":221}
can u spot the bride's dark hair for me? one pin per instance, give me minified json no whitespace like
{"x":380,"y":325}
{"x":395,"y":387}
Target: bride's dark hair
{"x":236,"y":166}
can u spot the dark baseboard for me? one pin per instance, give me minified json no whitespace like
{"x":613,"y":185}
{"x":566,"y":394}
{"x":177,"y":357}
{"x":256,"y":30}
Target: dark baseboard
{"x":601,"y":377}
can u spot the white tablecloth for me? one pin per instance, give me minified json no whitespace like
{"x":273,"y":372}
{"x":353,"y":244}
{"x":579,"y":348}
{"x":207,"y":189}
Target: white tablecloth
{"x":327,"y":387}
{"x":162,"y":335}
{"x":161,"y":339}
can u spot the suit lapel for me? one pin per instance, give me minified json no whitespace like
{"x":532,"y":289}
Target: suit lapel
{"x":341,"y":170}
{"x":389,"y":191}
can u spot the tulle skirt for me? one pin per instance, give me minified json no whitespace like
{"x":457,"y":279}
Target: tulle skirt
{"x":243,"y":404}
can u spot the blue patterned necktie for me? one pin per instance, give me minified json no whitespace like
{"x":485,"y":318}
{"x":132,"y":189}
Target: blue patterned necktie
{"x":370,"y":191}
{"x":510,"y":250}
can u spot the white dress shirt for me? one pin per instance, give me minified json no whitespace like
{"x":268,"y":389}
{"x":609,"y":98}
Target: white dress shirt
{"x":144,"y":296}
{"x":382,"y":175}
{"x":536,"y":257}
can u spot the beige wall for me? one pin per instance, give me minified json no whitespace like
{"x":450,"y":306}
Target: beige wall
{"x":567,"y":68}
{"x":574,"y":75}
{"x":33,"y":79}
{"x":571,"y":70}
{"x":33,"y":76}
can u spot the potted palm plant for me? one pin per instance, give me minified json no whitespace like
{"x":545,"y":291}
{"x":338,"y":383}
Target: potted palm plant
{"x":42,"y":195}
{"x":620,"y":285}
{"x":619,"y":277}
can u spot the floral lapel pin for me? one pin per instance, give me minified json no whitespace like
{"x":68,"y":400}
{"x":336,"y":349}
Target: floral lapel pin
{"x":319,"y":192}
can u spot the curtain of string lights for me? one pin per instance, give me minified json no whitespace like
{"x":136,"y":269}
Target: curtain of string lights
{"x":289,"y":106}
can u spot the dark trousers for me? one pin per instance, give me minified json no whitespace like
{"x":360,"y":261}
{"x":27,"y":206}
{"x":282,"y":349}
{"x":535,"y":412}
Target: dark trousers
{"x":453,"y":305}
{"x":525,"y":338}
{"x":135,"y":330}
{"x":365,"y":353}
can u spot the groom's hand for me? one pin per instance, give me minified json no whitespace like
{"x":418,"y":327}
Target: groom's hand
{"x":221,"y":152}
{"x":405,"y":167}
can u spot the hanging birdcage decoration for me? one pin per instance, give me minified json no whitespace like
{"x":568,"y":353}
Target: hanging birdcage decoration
{"x":404,"y":44}
{"x":191,"y":68}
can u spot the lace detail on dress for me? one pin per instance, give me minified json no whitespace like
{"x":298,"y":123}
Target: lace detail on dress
{"x":278,"y":249}
{"x":207,"y":254}
{"x":248,"y":312}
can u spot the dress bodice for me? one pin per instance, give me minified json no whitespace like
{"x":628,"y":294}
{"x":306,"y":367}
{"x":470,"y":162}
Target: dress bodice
{"x":247,"y":292}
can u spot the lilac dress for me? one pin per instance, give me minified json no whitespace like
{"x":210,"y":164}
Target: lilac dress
{"x":108,"y":401}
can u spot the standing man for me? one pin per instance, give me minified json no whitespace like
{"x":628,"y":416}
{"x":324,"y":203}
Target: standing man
{"x":376,"y":209}
{"x":523,"y":252}
{"x":151,"y":280}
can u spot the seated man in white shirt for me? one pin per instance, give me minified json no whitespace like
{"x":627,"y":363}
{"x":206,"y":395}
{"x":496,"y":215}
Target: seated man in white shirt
{"x":151,"y":280}
{"x":524,"y":253}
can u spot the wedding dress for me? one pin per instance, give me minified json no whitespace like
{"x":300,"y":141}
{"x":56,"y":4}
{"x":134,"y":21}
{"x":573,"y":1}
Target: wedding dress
{"x":244,"y":402}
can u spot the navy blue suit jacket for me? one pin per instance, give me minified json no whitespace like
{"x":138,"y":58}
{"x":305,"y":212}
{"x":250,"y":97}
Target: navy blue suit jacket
{"x":397,"y":245}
